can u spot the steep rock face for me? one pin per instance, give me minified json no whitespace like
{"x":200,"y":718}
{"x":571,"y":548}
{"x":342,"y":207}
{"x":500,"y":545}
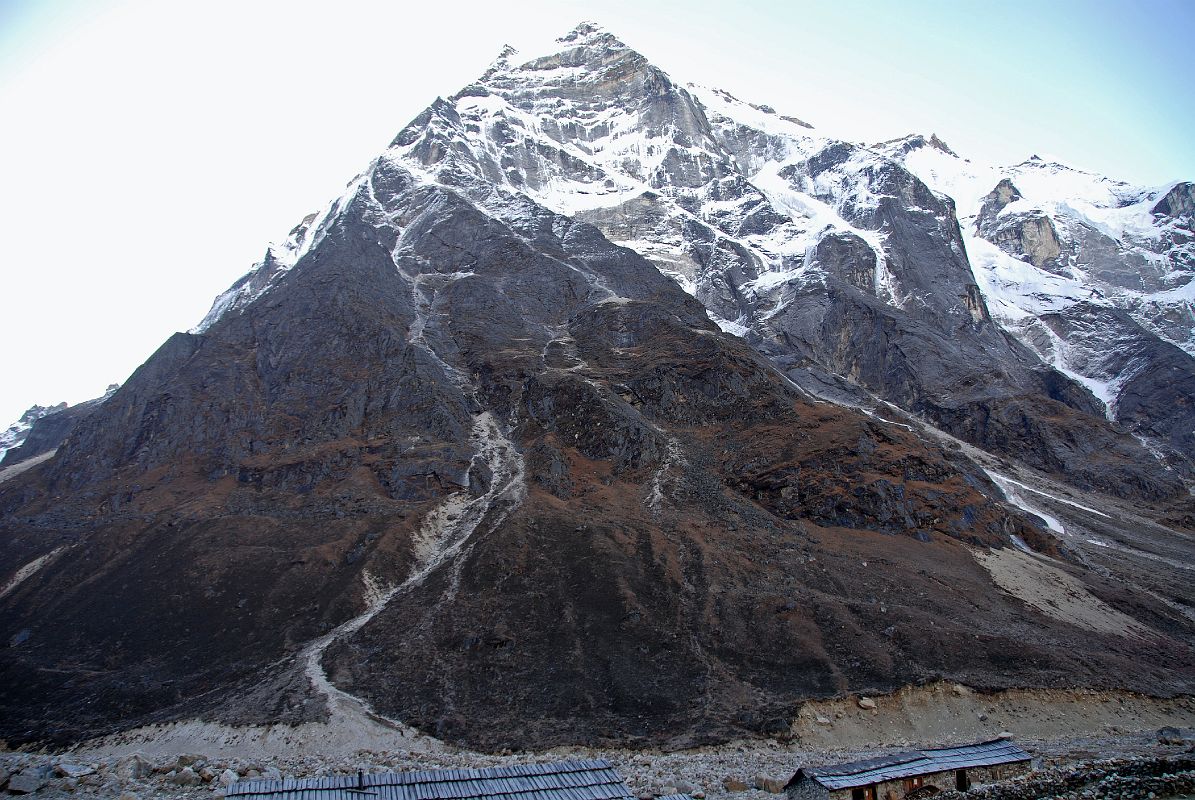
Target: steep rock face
{"x":1178,"y":202}
{"x":1137,"y":372}
{"x":1031,"y":235}
{"x":921,"y":334}
{"x":848,"y":258}
{"x":1053,"y":243}
{"x":994,"y":201}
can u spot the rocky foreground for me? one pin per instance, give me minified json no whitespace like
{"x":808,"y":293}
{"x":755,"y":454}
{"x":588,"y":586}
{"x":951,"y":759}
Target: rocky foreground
{"x":1157,"y":764}
{"x":1114,"y":779}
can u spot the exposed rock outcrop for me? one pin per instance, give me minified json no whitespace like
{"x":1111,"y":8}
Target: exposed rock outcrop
{"x":1178,"y":202}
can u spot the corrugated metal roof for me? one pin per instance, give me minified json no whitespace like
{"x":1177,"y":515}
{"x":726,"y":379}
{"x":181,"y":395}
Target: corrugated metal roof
{"x":592,"y":779}
{"x":916,"y":762}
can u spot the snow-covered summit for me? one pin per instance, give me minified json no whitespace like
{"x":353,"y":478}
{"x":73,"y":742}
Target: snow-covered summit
{"x":1069,"y":235}
{"x":762,"y":218}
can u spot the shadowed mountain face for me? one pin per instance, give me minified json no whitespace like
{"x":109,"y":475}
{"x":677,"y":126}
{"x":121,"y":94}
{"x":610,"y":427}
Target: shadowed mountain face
{"x":601,"y":516}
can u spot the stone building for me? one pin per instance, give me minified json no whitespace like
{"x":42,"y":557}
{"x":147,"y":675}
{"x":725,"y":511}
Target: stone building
{"x":918,"y":773}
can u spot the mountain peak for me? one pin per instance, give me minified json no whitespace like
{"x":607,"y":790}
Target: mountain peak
{"x":502,"y":61}
{"x":938,"y":144}
{"x":916,"y":141}
{"x":586,"y":45}
{"x":590,"y":33}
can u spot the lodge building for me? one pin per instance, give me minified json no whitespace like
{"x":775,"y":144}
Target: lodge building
{"x":913,"y":774}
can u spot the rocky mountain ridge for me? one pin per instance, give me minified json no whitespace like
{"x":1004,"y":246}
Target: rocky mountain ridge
{"x":42,"y":428}
{"x":1093,"y":275}
{"x":469,"y":453}
{"x":787,"y":238}
{"x":17,"y":432}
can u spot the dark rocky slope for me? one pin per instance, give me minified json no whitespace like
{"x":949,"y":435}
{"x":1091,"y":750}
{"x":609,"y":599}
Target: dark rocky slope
{"x":690,"y":545}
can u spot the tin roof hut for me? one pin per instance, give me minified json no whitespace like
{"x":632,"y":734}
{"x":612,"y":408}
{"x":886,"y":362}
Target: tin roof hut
{"x":564,"y":780}
{"x":918,"y":773}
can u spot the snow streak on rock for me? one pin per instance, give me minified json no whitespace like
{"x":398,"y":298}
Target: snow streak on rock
{"x":1012,"y":490}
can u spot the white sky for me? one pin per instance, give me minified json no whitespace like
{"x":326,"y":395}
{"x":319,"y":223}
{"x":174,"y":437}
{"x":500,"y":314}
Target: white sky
{"x":149,"y":151}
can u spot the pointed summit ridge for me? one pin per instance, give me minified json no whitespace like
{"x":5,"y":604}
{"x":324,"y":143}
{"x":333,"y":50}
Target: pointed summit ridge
{"x":590,"y":33}
{"x":587,"y":43}
{"x":501,"y":62}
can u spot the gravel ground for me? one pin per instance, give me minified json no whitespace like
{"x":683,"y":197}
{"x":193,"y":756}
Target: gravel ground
{"x":702,"y":771}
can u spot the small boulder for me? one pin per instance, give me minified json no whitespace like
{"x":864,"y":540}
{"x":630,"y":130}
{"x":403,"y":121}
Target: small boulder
{"x":189,"y":760}
{"x":667,"y":791}
{"x":272,"y":774}
{"x":68,"y":770}
{"x":1172,"y":735}
{"x":27,"y":781}
{"x":185,"y":777}
{"x":228,"y":777}
{"x":732,"y":784}
{"x":770,"y":785}
{"x":683,"y":787}
{"x":866,"y":703}
{"x":132,"y":767}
